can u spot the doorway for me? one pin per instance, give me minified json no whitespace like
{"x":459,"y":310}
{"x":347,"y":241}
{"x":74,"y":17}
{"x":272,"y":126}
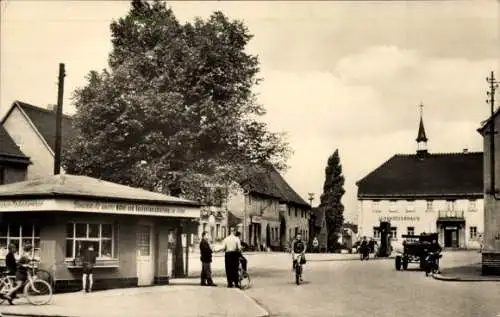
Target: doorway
{"x":145,"y":262}
{"x":268,"y":236}
{"x":451,"y":237}
{"x":283,"y":243}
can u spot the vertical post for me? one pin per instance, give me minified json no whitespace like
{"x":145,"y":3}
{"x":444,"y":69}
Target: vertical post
{"x":60,"y":95}
{"x":491,"y":93}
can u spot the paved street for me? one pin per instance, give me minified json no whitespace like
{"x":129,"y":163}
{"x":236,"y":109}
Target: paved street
{"x":373,"y":288}
{"x":335,"y":285}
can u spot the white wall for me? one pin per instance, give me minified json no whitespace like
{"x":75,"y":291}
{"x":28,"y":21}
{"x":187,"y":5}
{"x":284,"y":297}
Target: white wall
{"x":420,"y":218}
{"x":31,"y":145}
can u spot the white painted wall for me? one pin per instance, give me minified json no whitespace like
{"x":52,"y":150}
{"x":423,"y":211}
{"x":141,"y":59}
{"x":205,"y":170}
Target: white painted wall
{"x":31,"y":145}
{"x":369,"y":216}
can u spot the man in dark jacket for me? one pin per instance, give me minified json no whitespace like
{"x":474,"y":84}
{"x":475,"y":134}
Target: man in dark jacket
{"x":89,"y":258}
{"x":206,"y":260}
{"x":10,"y":260}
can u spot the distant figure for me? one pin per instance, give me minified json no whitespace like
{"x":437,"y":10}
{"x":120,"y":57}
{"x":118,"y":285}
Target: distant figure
{"x":315,"y":244}
{"x":88,"y":261}
{"x":206,"y":261}
{"x":10,"y":260}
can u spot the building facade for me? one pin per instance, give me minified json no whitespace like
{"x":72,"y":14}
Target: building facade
{"x":13,"y":162}
{"x":491,"y":237}
{"x":137,"y":234}
{"x":267,"y":211}
{"x":423,"y":193}
{"x":33,"y":131}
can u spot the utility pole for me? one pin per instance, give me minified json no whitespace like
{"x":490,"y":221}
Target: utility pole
{"x":311,"y":198}
{"x":59,"y":113}
{"x":493,"y":85}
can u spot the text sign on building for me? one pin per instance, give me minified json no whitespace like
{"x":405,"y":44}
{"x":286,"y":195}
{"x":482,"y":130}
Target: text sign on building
{"x":399,"y":218}
{"x":129,"y":208}
{"x":15,"y":205}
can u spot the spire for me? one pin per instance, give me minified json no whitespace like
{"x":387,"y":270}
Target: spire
{"x":421,"y":137}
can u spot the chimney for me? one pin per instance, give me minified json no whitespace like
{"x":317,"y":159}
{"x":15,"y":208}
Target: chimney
{"x":466,"y":150}
{"x":52,"y":107}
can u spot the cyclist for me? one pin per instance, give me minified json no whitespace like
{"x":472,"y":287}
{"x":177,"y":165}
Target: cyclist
{"x":298,"y":250}
{"x":21,"y":272}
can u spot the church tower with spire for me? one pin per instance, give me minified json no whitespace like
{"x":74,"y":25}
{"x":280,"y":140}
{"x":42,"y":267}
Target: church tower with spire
{"x":421,"y":137}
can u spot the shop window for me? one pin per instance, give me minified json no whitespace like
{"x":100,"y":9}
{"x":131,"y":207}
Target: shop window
{"x":81,"y":235}
{"x":376,"y":232}
{"x":473,"y":233}
{"x":20,"y":236}
{"x":450,"y":205}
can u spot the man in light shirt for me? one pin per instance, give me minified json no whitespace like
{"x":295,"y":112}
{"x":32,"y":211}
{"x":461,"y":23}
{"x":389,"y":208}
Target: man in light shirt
{"x":232,"y":248}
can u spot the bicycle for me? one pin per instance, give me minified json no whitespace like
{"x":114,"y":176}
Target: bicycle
{"x":243,"y":278}
{"x":36,"y":291}
{"x":299,"y":261}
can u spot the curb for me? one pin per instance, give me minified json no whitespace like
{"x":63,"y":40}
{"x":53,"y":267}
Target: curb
{"x":445,"y":278}
{"x":263,"y":312}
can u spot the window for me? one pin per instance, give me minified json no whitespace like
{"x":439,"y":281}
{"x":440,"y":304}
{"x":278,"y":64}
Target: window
{"x":2,"y":176}
{"x":80,"y":235}
{"x":410,"y":230}
{"x":392,"y":206}
{"x":295,"y":212}
{"x":204,"y":227}
{"x":223,"y":234}
{"x":376,"y":206}
{"x":450,"y":204}
{"x":410,"y":206}
{"x":20,"y":235}
{"x":429,"y":205}
{"x":376,"y":232}
{"x":394,"y":233}
{"x":472,"y":205}
{"x":217,"y":231}
{"x":473,"y":232}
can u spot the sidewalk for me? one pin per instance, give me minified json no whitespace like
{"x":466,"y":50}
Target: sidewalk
{"x":181,"y":300}
{"x":465,"y":273}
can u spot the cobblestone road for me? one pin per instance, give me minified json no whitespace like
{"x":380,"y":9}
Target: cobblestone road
{"x":373,"y":288}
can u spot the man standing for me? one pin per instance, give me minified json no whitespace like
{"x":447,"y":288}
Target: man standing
{"x":232,"y":248}
{"x":206,"y":260}
{"x":88,"y":261}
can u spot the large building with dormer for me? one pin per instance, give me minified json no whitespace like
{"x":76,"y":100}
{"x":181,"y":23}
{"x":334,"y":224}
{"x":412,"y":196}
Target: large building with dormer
{"x":425,"y":192}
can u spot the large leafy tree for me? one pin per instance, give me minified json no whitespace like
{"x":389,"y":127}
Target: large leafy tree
{"x":175,"y":108}
{"x":331,"y":199}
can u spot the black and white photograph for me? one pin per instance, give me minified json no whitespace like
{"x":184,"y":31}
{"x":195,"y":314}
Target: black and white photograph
{"x":249,"y":158}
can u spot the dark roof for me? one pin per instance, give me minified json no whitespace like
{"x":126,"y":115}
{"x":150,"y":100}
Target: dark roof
{"x":445,"y":174}
{"x":45,"y":122}
{"x":266,"y":181}
{"x":9,"y":151}
{"x":65,"y":185}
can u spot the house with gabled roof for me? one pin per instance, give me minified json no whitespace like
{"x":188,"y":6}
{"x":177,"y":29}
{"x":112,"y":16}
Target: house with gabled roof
{"x":425,"y":192}
{"x":267,"y":210}
{"x":33,"y":130}
{"x":13,"y":162}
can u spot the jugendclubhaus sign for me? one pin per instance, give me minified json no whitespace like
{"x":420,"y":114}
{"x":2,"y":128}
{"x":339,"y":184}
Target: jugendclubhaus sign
{"x":400,"y":218}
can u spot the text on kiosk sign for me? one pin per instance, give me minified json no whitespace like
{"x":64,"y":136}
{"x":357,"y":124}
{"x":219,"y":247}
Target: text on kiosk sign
{"x":128,"y":207}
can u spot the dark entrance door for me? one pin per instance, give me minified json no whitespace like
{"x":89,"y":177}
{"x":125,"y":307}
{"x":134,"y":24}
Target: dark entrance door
{"x":451,"y":237}
{"x":283,"y":233}
{"x":268,"y":236}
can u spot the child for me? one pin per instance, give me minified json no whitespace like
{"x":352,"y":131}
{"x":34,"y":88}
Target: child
{"x":88,"y":261}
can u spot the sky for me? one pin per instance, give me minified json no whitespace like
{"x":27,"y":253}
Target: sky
{"x":336,"y":75}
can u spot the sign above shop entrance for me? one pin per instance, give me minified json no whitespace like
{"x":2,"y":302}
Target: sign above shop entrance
{"x":23,"y":205}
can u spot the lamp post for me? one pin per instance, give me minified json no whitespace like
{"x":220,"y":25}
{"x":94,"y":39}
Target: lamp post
{"x":493,"y":85}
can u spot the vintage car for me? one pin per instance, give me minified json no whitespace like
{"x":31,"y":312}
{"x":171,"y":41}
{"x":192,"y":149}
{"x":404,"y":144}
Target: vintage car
{"x":415,"y":250}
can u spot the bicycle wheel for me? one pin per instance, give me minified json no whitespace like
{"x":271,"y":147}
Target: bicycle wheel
{"x":6,"y":284}
{"x":44,"y":275}
{"x":244,"y":281}
{"x":38,"y":292}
